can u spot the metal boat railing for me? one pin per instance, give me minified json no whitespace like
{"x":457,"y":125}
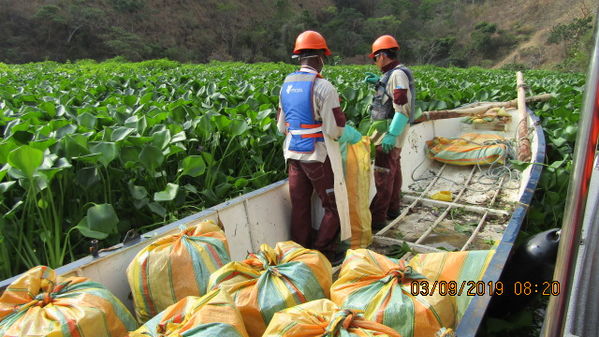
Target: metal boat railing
{"x":574,"y":215}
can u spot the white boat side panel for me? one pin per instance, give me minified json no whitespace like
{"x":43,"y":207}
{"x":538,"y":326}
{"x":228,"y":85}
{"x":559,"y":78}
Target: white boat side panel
{"x":111,"y":273}
{"x":237,"y":229}
{"x":269,"y":216}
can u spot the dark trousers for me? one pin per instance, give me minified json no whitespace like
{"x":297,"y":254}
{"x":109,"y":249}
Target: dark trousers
{"x":387,"y":177}
{"x":304,"y":177}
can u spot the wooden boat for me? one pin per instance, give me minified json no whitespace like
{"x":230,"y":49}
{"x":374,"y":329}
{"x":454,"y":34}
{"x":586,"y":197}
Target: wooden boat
{"x":494,"y":204}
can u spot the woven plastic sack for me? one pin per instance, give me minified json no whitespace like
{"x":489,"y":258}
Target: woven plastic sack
{"x":211,"y":315}
{"x":324,"y":318}
{"x":381,"y":288}
{"x":41,"y":304}
{"x":469,"y":149}
{"x":463,"y":268}
{"x":358,"y":181}
{"x":272,"y":280}
{"x":176,"y":266}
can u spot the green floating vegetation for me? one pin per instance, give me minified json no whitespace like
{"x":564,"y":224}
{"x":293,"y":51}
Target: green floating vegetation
{"x":91,"y":150}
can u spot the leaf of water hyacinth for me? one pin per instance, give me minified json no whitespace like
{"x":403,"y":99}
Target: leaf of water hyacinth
{"x":151,"y":157}
{"x":161,"y":139}
{"x":193,"y":166}
{"x":101,"y":220}
{"x":26,"y":158}
{"x":168,"y":194}
{"x":88,"y":120}
{"x":121,"y":133}
{"x":108,"y":151}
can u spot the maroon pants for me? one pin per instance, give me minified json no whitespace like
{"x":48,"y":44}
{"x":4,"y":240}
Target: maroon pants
{"x":303,"y":178}
{"x":387,"y":177}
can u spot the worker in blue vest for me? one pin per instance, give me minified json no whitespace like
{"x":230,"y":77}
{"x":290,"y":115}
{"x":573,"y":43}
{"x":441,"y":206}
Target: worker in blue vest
{"x":391,"y":113}
{"x":313,"y":123}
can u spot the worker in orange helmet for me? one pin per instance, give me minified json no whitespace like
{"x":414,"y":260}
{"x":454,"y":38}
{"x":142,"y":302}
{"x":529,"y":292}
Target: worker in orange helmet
{"x":392,"y":114}
{"x":314,"y":125}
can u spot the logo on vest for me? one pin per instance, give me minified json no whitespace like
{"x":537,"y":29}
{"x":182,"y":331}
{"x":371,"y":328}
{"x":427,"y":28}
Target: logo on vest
{"x":291,"y":89}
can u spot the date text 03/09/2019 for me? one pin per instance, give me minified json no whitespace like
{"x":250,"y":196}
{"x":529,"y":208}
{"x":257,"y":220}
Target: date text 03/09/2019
{"x":480,"y":288}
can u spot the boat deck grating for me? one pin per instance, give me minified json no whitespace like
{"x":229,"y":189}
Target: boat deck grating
{"x":474,"y":219}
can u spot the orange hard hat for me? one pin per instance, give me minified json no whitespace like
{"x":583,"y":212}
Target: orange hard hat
{"x":310,"y":40}
{"x":383,"y":42}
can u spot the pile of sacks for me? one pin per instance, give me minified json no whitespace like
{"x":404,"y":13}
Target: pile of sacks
{"x":185,"y":285}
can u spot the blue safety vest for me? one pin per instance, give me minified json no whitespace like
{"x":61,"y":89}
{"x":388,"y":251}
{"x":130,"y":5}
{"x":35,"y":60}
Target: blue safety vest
{"x":298,"y":109}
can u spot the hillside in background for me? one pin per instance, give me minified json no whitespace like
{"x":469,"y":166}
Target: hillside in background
{"x":547,"y":31}
{"x":488,"y":33}
{"x":183,"y":30}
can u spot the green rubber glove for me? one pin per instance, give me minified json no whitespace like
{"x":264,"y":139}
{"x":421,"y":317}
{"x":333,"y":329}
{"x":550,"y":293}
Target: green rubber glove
{"x":350,"y":135}
{"x":371,"y":78}
{"x":398,"y":123}
{"x":388,"y":143}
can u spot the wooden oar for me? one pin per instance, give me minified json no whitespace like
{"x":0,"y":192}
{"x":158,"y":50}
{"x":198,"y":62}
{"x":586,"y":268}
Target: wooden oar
{"x":524,"y":153}
{"x":476,"y":108}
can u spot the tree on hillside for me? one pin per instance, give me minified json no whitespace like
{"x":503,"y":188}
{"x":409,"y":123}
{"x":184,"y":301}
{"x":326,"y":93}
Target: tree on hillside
{"x":128,"y":5}
{"x":482,"y":38}
{"x":84,"y":19}
{"x":291,"y":28}
{"x":50,"y":18}
{"x":67,"y":20}
{"x":366,"y":7}
{"x":576,"y":39}
{"x":430,"y":50}
{"x":16,"y":42}
{"x":123,"y":43}
{"x":373,"y":27}
{"x":227,"y":30}
{"x":405,"y":10}
{"x":343,"y":32}
{"x":72,"y":16}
